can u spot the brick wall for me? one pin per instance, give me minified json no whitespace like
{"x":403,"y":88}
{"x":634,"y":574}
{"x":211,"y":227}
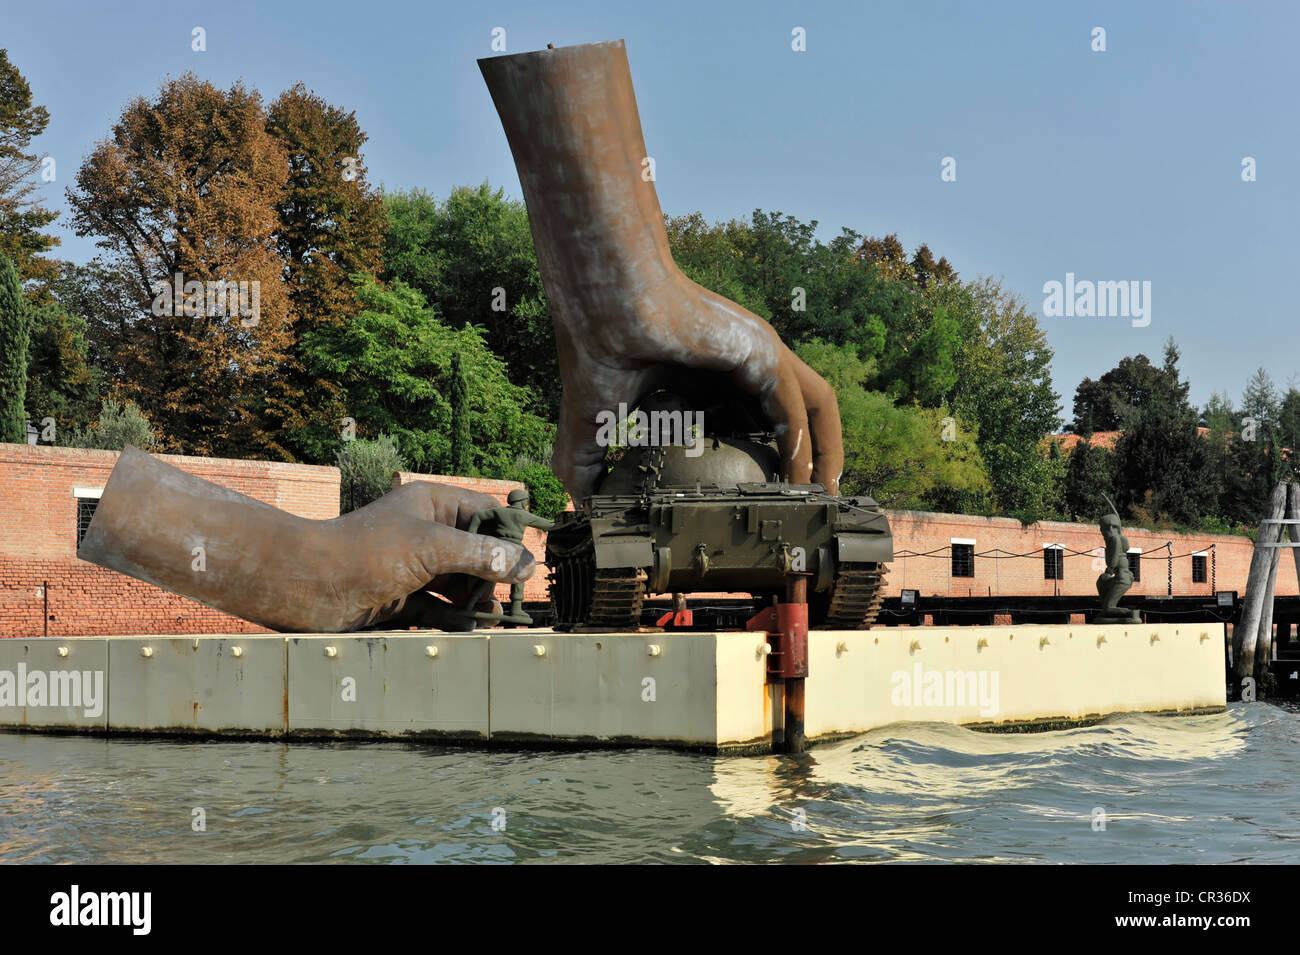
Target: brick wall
{"x":38,"y":515}
{"x":916,"y":532}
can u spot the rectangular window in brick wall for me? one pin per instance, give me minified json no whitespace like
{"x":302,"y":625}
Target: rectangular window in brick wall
{"x":1053,"y":562}
{"x":1198,"y":568}
{"x":963,"y":559}
{"x":1135,"y":564}
{"x":85,"y":511}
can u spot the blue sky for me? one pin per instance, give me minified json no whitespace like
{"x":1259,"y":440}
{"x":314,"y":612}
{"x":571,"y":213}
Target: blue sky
{"x":1122,"y":165}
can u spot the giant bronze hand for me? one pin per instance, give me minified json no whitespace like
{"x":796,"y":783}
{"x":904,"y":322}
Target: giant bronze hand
{"x":381,"y":563}
{"x":626,"y":318}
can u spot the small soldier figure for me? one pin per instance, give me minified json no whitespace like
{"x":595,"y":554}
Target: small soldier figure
{"x":507,"y":523}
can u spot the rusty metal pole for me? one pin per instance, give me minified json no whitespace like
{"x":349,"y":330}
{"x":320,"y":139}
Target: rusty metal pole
{"x":794,"y":629}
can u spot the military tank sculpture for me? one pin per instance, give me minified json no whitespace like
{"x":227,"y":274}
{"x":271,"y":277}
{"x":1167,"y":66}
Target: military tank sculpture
{"x":716,"y":518}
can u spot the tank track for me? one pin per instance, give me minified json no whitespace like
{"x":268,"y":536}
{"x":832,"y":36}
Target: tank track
{"x":587,"y":596}
{"x":856,"y":596}
{"x":617,"y":597}
{"x":583,"y":595}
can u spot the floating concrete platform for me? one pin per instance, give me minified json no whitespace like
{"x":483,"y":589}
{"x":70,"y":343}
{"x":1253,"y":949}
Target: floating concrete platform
{"x":703,"y":691}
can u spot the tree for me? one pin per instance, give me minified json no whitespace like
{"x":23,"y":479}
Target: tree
{"x":119,"y":425}
{"x":393,"y":361}
{"x":1089,"y":475}
{"x":330,"y":225}
{"x":102,"y":298}
{"x":184,"y":192}
{"x":1221,"y":424}
{"x":14,"y":337}
{"x":471,"y":257}
{"x":1257,"y":455}
{"x":927,"y":339}
{"x":1260,"y":401}
{"x":1002,"y":385}
{"x":21,"y":217}
{"x":899,"y":456}
{"x":888,"y":256}
{"x":927,"y":270}
{"x":1289,"y":430}
{"x":460,"y":443}
{"x":1161,"y":461}
{"x":1113,"y":402}
{"x":61,"y":384}
{"x":715,"y":256}
{"x":366,"y":470}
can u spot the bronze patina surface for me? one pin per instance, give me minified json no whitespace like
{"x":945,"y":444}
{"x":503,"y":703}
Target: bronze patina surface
{"x":627,"y":321}
{"x":377,"y":564}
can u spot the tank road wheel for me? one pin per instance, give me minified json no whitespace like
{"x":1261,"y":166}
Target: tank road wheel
{"x":853,"y":600}
{"x":582,"y":595}
{"x":573,"y":577}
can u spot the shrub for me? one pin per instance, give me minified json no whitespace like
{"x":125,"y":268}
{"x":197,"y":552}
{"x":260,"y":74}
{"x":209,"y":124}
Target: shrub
{"x":366,"y":471}
{"x":118,"y":426}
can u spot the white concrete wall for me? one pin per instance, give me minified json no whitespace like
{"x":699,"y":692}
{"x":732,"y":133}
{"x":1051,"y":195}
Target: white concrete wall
{"x":705,"y":690}
{"x":862,"y":679}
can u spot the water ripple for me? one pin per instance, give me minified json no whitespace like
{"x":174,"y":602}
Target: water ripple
{"x":1219,"y":788}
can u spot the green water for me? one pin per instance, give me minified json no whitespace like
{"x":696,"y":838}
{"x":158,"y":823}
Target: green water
{"x":1222,"y":788}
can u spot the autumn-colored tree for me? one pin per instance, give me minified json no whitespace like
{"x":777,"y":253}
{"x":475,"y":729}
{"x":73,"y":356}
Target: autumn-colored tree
{"x":331,"y":225}
{"x":21,"y":216}
{"x":888,"y":257}
{"x":926,"y":269}
{"x":184,"y":193}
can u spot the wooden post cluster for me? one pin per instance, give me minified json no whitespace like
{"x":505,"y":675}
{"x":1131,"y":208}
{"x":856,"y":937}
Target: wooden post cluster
{"x":1252,"y":638}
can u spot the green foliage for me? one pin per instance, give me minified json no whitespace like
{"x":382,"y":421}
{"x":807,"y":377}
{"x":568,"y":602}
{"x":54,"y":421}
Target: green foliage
{"x":1003,"y":387}
{"x":15,"y":333}
{"x":1213,"y":524}
{"x":901,"y":456}
{"x":1288,"y":431}
{"x":366,"y":470}
{"x":61,"y":384}
{"x":21,"y":216}
{"x":471,"y":256}
{"x":330,"y":224}
{"x":1113,"y":402}
{"x":118,"y":425}
{"x":1161,"y":460}
{"x":548,"y":495}
{"x":1089,"y":475}
{"x":460,"y":443}
{"x":394,"y":364}
{"x":925,"y":340}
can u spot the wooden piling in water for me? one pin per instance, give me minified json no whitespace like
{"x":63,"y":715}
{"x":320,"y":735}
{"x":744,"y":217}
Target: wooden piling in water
{"x":1259,"y":588}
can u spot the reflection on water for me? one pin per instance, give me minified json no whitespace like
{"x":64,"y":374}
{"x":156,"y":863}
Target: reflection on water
{"x":1217,"y":788}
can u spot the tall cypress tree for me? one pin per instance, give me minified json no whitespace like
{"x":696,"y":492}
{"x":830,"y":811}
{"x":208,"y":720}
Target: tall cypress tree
{"x":14,"y":336}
